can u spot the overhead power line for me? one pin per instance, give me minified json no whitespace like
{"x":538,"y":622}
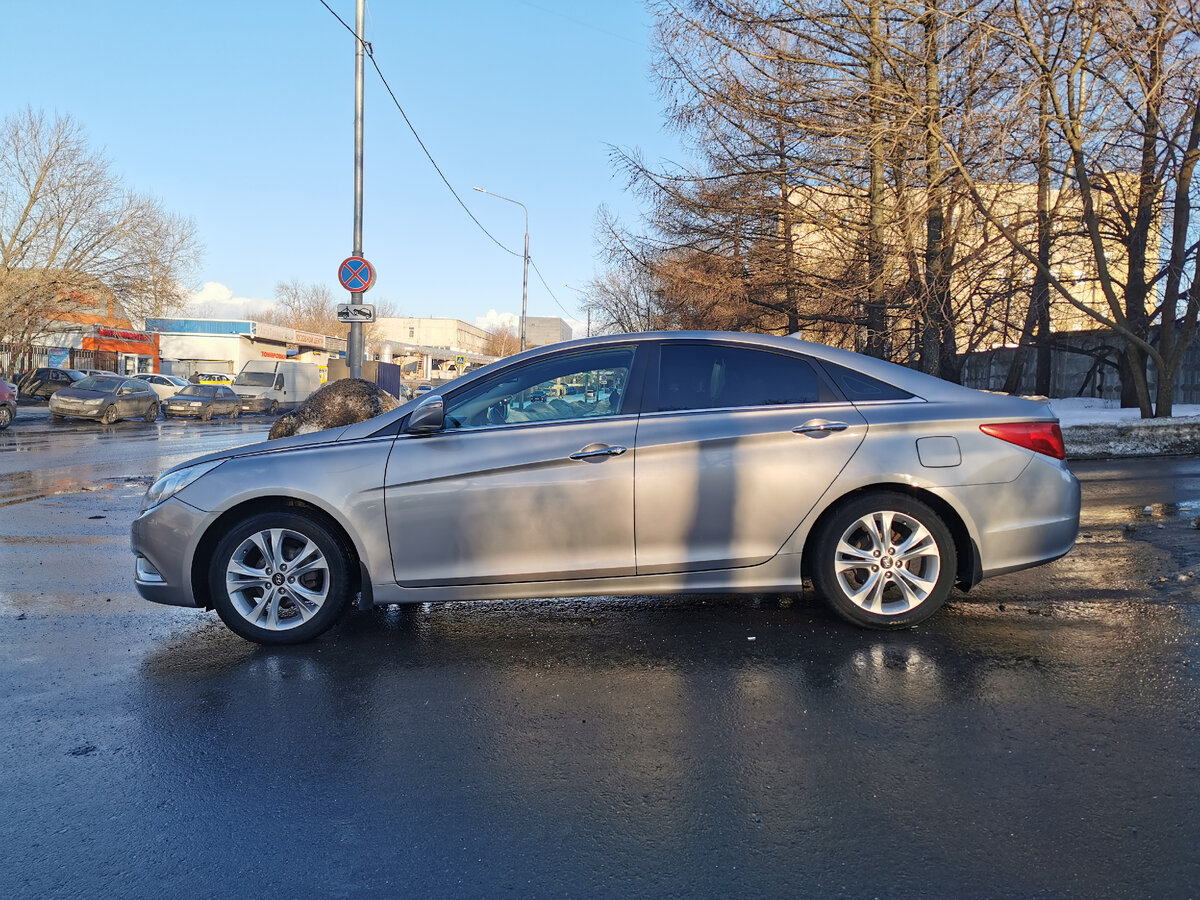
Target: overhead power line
{"x":371,"y":56}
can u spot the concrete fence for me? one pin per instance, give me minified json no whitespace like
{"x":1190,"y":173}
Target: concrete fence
{"x":1083,"y":364}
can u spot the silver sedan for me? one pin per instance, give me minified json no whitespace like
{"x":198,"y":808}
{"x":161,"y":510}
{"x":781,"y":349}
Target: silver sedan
{"x":627,"y":464}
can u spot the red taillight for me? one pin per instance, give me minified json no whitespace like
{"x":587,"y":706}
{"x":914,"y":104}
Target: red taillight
{"x":1041,"y":437}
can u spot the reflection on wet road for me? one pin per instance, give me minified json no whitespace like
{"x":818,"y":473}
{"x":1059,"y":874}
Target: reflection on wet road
{"x":1039,"y":738}
{"x":66,"y":456}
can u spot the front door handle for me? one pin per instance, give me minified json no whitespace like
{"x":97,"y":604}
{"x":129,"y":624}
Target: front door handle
{"x":818,"y":428}
{"x":598,"y":451}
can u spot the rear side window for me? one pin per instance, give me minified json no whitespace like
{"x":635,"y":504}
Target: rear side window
{"x":860,"y":388}
{"x":714,"y":376}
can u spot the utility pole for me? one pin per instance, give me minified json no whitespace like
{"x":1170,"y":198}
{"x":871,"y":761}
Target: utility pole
{"x":354,"y":347}
{"x":525,"y":263}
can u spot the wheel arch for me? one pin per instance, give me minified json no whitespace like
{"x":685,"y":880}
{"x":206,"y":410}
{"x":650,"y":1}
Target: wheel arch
{"x":969,"y":566}
{"x":202,"y":557}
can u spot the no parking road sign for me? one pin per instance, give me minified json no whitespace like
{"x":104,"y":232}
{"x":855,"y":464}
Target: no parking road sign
{"x":356,"y":274}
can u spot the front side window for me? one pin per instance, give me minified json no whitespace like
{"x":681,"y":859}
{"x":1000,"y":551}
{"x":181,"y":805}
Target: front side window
{"x":715,"y":376}
{"x":576,"y":386}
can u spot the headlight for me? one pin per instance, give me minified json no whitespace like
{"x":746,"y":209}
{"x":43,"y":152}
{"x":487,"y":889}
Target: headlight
{"x":195,"y":403}
{"x":171,"y":484}
{"x":96,"y":402}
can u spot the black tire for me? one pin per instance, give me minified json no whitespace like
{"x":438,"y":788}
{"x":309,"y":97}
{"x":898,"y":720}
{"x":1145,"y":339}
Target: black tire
{"x":109,"y":415}
{"x":6,"y":417}
{"x":236,"y":411}
{"x":274,"y":408}
{"x":245,"y":603}
{"x":152,"y":413}
{"x":206,"y":415}
{"x":859,"y":573}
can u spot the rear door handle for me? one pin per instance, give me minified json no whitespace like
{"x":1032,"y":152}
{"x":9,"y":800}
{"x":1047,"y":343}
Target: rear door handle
{"x":597,"y":451}
{"x":818,"y":428}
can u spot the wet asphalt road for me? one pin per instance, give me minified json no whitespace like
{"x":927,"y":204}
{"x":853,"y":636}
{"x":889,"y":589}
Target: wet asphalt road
{"x":1038,"y":738}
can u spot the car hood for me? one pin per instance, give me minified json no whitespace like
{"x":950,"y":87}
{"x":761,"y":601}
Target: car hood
{"x":74,"y":393}
{"x":276,"y":446}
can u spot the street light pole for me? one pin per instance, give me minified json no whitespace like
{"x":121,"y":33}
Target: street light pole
{"x":525,"y":271}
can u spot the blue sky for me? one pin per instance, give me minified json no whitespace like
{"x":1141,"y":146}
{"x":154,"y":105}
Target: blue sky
{"x":240,"y":115}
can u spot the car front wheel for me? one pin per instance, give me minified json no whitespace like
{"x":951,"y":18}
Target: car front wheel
{"x":280,"y":578}
{"x":6,"y":417}
{"x":109,"y":415}
{"x":884,"y":560}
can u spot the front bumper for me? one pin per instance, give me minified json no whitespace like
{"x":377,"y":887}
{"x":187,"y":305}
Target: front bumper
{"x":176,"y":411}
{"x":75,"y":410}
{"x":255,"y":404}
{"x":164,"y":541}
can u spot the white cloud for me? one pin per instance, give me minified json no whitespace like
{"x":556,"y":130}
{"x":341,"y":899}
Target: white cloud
{"x":217,"y":301}
{"x":494,"y":321}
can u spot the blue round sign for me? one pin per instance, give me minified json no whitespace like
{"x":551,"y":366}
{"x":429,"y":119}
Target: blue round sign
{"x":356,"y":274}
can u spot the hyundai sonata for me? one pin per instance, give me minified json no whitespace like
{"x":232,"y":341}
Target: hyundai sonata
{"x":627,"y":464}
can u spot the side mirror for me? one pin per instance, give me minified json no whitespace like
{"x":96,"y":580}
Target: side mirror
{"x":428,"y":417}
{"x":279,"y":382}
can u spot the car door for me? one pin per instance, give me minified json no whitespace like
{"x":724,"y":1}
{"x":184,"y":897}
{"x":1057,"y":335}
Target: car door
{"x":514,"y":490}
{"x":735,"y":446}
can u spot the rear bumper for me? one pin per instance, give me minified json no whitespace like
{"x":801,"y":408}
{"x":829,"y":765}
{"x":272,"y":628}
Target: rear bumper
{"x":1034,"y":520}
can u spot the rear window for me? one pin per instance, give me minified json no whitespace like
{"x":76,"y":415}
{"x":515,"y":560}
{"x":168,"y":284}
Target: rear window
{"x":863,"y":388}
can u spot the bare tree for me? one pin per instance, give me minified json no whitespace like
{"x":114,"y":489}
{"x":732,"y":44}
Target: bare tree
{"x":71,"y":233}
{"x":1121,"y":85}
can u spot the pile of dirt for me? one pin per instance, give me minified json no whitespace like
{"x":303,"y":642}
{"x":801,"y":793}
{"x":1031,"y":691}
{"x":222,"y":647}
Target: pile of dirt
{"x":337,"y":404}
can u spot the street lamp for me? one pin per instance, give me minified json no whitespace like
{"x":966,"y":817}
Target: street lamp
{"x":525,"y":272}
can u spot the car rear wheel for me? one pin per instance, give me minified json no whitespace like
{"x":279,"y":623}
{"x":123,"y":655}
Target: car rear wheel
{"x":152,"y":413}
{"x":280,"y":578}
{"x":884,"y":560}
{"x":234,"y":414}
{"x":109,"y":415}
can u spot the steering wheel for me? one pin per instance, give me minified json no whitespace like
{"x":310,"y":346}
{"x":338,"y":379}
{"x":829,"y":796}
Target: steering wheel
{"x":497,"y":414}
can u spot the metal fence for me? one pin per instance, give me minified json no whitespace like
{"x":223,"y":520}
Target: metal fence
{"x":12,"y":361}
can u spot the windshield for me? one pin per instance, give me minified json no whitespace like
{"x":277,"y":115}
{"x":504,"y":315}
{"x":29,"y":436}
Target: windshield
{"x":255,"y":379}
{"x":198,"y":390}
{"x":98,"y":383}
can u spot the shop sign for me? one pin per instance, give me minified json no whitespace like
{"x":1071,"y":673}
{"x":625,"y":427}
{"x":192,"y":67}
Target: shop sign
{"x":309,"y":339}
{"x":122,"y":335}
{"x":269,"y":332}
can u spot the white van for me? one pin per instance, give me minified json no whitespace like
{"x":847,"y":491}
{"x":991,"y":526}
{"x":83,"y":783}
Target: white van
{"x":267,"y":385}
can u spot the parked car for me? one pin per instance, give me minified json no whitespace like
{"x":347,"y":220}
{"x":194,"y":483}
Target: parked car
{"x":212,"y":378}
{"x":422,"y":389}
{"x":107,"y":398}
{"x":203,"y":401}
{"x":166,"y":386}
{"x":709,"y":462}
{"x":42,"y":383}
{"x":8,"y":404}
